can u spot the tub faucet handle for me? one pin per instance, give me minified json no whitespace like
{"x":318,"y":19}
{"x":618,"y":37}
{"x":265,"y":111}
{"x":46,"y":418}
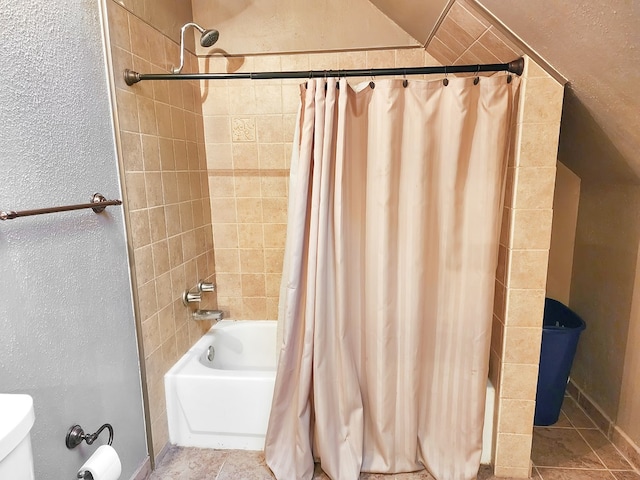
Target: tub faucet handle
{"x":206,"y":286}
{"x":190,"y":297}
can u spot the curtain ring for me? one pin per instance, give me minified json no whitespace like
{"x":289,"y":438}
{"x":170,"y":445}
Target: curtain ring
{"x":372,"y":84}
{"x":445,"y":81}
{"x":405,"y":82}
{"x":477,"y":79}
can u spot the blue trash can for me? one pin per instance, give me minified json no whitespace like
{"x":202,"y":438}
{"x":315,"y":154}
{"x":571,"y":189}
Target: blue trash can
{"x":560,"y":333}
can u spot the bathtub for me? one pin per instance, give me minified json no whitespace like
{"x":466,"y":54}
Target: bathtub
{"x":220,"y":397}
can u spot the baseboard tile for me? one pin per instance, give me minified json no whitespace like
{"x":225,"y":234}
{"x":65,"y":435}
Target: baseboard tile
{"x":162,"y":453}
{"x":618,"y":437}
{"x":626,"y":446}
{"x":144,"y":472}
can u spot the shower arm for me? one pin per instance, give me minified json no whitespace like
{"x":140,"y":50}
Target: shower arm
{"x":177,"y":70}
{"x":516,"y":67}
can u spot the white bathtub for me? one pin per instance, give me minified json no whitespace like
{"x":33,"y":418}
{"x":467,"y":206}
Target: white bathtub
{"x":224,"y":403}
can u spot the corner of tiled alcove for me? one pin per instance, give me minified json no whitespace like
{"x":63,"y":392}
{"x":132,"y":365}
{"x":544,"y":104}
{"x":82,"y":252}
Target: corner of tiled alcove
{"x":522,"y":272}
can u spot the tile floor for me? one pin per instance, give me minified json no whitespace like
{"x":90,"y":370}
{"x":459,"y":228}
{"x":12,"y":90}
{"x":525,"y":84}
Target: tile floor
{"x":572,"y":449}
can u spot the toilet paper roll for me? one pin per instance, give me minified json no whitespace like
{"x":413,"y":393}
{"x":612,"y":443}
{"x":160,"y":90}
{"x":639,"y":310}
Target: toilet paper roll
{"x":104,"y":464}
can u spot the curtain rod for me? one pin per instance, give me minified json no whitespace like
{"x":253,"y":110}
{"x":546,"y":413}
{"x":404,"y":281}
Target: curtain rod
{"x":516,"y":67}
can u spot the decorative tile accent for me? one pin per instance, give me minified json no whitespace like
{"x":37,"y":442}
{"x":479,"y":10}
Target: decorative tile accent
{"x":243,"y":129}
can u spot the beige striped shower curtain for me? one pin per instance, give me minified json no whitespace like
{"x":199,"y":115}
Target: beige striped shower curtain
{"x":394,"y":217}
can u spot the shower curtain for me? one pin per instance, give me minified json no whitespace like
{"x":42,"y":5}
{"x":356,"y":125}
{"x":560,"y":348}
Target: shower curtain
{"x":387,"y":296}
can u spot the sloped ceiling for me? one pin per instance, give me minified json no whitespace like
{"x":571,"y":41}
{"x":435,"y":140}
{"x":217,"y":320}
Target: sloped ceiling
{"x":267,"y":26}
{"x":595,"y":45}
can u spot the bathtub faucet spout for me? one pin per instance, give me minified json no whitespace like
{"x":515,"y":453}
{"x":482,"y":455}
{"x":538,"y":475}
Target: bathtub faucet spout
{"x":215,"y":315}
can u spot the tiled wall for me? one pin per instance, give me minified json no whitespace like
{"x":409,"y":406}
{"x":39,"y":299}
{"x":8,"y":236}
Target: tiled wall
{"x":249,"y":129}
{"x":522,"y":272}
{"x":465,"y":37}
{"x":163,"y":166}
{"x":167,"y":16}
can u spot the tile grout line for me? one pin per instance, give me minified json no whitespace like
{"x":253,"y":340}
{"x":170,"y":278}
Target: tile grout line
{"x":633,"y":467}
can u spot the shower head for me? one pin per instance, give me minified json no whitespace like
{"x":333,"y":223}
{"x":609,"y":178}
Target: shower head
{"x":207,"y":39}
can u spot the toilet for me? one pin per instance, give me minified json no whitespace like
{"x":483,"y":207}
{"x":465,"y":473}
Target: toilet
{"x":16,"y":420}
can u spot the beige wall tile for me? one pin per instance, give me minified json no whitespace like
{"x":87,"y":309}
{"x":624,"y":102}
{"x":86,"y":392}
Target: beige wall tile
{"x":151,"y":152}
{"x":272,"y":284}
{"x":524,"y":307}
{"x":542,"y":102}
{"x":513,"y":450}
{"x":323,"y":61}
{"x":249,"y":210}
{"x":439,"y":50}
{"x":275,"y":235}
{"x":147,"y":304}
{"x":531,"y":229}
{"x":271,"y":155}
{"x":119,"y":26}
{"x":140,"y":232}
{"x":410,"y":57}
{"x":127,"y":111}
{"x":519,"y":381}
{"x":275,"y":210}
{"x":251,"y":235}
{"x":153,"y":186}
{"x":534,"y":187}
{"x":457,"y":31}
{"x":253,"y":285}
{"x":254,"y":308}
{"x":252,"y":261}
{"x":223,"y":210}
{"x":227,"y":260}
{"x":131,"y":152}
{"x":516,"y":416}
{"x":160,"y":252}
{"x":226,"y":235}
{"x":528,"y":269}
{"x":538,"y":144}
{"x":493,"y":41}
{"x":136,"y":191}
{"x":229,"y":284}
{"x":522,"y":345}
{"x":247,"y":186}
{"x":273,"y":259}
{"x":221,"y":186}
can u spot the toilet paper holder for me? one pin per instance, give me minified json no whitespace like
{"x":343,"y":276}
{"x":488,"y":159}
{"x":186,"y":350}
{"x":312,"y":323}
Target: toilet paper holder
{"x":76,"y":435}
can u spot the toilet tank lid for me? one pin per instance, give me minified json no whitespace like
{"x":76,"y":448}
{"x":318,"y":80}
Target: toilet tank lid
{"x":16,"y":420}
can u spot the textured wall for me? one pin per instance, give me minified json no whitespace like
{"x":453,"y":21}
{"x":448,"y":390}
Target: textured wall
{"x":602,"y":287}
{"x":67,"y":332}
